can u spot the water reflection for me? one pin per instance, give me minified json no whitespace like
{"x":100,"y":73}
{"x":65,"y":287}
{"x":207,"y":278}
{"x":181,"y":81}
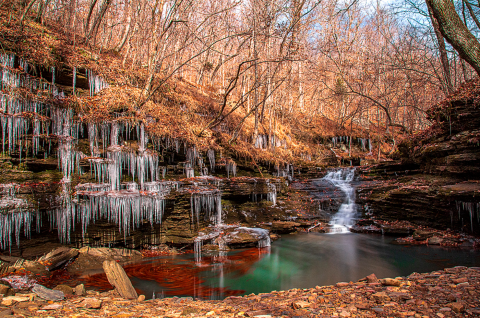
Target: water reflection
{"x":299,"y":261}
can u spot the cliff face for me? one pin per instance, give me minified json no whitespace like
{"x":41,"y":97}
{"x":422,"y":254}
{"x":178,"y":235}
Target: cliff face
{"x":435,"y":182}
{"x":451,"y":147}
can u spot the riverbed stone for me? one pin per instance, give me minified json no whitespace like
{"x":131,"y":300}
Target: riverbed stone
{"x":457,"y":307}
{"x":6,"y":290}
{"x":390,"y":282}
{"x":92,"y":303}
{"x":48,"y":294}
{"x":380,"y":297}
{"x":67,"y":290}
{"x":372,"y":278}
{"x":80,"y":290}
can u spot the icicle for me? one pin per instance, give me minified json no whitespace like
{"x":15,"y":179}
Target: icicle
{"x":272,"y":193}
{"x":92,"y":138}
{"x":231,"y":167}
{"x":74,"y":79}
{"x":95,"y":83}
{"x":114,"y":134}
{"x":208,"y":202}
{"x":211,"y":159}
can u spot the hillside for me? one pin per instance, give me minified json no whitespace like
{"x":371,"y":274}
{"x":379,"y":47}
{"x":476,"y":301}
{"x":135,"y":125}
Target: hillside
{"x":102,"y":87}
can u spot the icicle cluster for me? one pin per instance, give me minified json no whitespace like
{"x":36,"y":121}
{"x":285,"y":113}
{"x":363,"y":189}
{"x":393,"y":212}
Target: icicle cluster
{"x":364,"y":143}
{"x":15,"y":213}
{"x":209,"y":202}
{"x":261,"y":142}
{"x":95,"y":83}
{"x":126,"y":208}
{"x":286,"y":172}
{"x":211,"y":159}
{"x":471,"y":208}
{"x":272,"y":193}
{"x":231,"y":168}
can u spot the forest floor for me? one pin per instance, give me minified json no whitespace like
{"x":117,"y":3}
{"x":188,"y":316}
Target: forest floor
{"x":452,"y":292}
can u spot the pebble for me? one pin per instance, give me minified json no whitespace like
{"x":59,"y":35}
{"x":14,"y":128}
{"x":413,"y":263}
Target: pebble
{"x":353,"y":300}
{"x":52,"y":307}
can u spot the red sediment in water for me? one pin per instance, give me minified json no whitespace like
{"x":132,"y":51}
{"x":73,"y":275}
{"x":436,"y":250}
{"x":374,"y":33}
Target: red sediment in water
{"x":182,"y":276}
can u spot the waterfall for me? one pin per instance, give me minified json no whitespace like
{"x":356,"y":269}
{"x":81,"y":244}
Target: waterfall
{"x":343,"y":219}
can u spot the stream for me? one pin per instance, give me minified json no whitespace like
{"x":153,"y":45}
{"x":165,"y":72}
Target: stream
{"x":304,"y":260}
{"x":294,"y":261}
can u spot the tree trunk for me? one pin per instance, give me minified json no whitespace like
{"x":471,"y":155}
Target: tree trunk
{"x":89,"y":16}
{"x":442,"y":49}
{"x":125,"y":36}
{"x":474,"y":17}
{"x":43,"y":6}
{"x":98,"y":20}
{"x":455,"y":32}
{"x":25,"y":13}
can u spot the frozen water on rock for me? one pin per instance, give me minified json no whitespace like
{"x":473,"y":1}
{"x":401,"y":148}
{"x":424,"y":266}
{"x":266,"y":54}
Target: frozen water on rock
{"x":211,"y":159}
{"x":189,"y":172}
{"x":344,"y":218}
{"x":471,"y":208}
{"x":262,"y":235}
{"x":161,"y":186}
{"x":207,"y":201}
{"x":111,"y":160}
{"x":126,"y":208}
{"x":272,"y":193}
{"x":231,"y":168}
{"x":15,"y":213}
{"x":95,"y":83}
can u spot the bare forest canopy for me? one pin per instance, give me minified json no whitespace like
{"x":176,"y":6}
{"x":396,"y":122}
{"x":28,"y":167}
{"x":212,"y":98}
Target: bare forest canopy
{"x":274,"y":81}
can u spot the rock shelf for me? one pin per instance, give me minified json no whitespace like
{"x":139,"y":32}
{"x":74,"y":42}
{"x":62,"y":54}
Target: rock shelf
{"x":452,"y":292}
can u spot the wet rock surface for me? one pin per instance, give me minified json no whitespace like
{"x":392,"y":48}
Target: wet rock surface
{"x":436,"y":201}
{"x":452,"y":292}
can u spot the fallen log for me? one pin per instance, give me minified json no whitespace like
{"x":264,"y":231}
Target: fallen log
{"x":58,"y":257}
{"x":118,"y":278}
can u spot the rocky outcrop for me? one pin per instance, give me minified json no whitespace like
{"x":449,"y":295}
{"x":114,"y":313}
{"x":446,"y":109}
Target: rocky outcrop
{"x":434,"y":182}
{"x":426,"y":200}
{"x":451,"y":146}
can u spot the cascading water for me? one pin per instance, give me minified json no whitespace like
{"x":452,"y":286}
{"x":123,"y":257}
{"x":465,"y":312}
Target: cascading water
{"x":343,"y":220}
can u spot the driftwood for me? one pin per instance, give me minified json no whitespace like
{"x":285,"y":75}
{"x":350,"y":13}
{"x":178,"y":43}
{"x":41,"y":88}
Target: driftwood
{"x":58,"y":257}
{"x":118,"y":278}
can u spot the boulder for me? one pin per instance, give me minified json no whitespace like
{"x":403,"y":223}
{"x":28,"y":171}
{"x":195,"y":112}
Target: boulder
{"x":6,"y":290}
{"x":92,"y":258}
{"x":435,"y":240}
{"x":80,"y":290}
{"x":111,"y":253}
{"x":92,"y":303}
{"x":67,"y":290}
{"x":48,"y":294}
{"x":284,"y":227}
{"x":421,"y":235}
